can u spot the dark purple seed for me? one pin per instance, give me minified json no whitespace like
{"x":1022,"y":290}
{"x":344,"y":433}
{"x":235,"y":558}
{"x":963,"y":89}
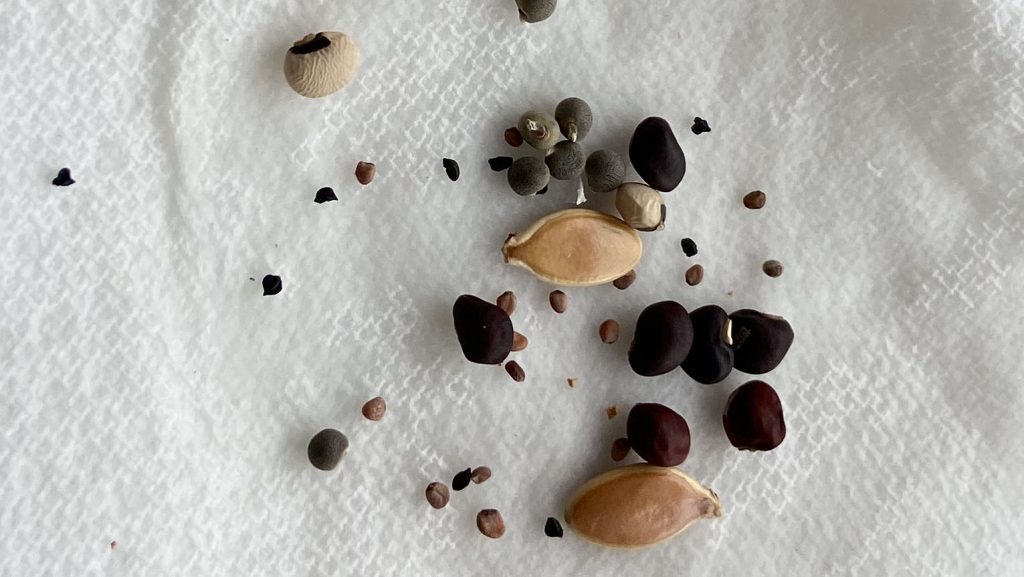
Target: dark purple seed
{"x":711,"y":358}
{"x":462,"y":479}
{"x":500,"y":163}
{"x":658,"y":434}
{"x":753,"y":417}
{"x":656,"y":154}
{"x":689,"y":247}
{"x":700,"y":126}
{"x":63,"y":178}
{"x":451,"y":168}
{"x":484,"y":330}
{"x":760,"y":341}
{"x":662,"y":339}
{"x":553,"y":529}
{"x":325,"y":194}
{"x":272,"y":285}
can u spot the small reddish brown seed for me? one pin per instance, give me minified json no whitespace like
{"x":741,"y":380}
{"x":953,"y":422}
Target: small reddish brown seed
{"x":559,"y":301}
{"x":513,"y":137}
{"x":755,"y":200}
{"x":571,"y":382}
{"x":374,"y":409}
{"x":620,"y":449}
{"x":507,"y":302}
{"x":490,"y":523}
{"x":519,"y":342}
{"x":365,"y":172}
{"x":480,"y":474}
{"x":625,"y":281}
{"x":612,"y":411}
{"x":694,"y":275}
{"x":437,"y":495}
{"x":609,"y":331}
{"x":515,"y":371}
{"x":772,"y":268}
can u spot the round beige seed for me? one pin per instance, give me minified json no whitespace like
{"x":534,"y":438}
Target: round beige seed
{"x":437,"y":495}
{"x":490,"y":523}
{"x":480,"y":474}
{"x":321,"y":64}
{"x":609,"y":331}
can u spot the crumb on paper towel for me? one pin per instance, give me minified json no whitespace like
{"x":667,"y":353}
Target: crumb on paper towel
{"x":571,"y":381}
{"x":612,"y":411}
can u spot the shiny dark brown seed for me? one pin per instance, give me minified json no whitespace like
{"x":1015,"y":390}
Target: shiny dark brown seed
{"x":689,"y":247}
{"x":760,"y":341}
{"x":461,"y":479}
{"x":755,"y":200}
{"x":507,"y":302}
{"x":553,"y":529}
{"x":480,"y":474}
{"x":366,"y":172}
{"x":753,"y":417}
{"x":500,"y":163}
{"x":490,"y":523}
{"x":325,"y":194}
{"x":519,"y":342}
{"x":662,"y":339}
{"x":63,"y":178}
{"x":609,"y":331}
{"x":375,"y":408}
{"x":624,"y":282}
{"x":656,"y":154}
{"x":272,"y":285}
{"x":515,"y":371}
{"x":513,"y":137}
{"x":772,"y":268}
{"x":694,"y":275}
{"x":658,"y":434}
{"x":711,"y":358}
{"x":620,"y":449}
{"x":484,"y":330}
{"x":326,"y":449}
{"x":437,"y":495}
{"x":451,"y":168}
{"x":559,"y":301}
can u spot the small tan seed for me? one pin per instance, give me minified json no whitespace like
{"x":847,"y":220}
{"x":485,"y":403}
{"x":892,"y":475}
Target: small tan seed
{"x":694,"y":275}
{"x":321,"y":64}
{"x":620,"y":449}
{"x":480,"y":474}
{"x":374,"y":409}
{"x":519,"y":342}
{"x":507,"y":302}
{"x":366,"y":172}
{"x":437,"y":495}
{"x":612,"y":411}
{"x":515,"y":371}
{"x":609,"y":331}
{"x":490,"y":523}
{"x":772,"y":268}
{"x":755,"y":200}
{"x":624,"y":282}
{"x":559,"y":301}
{"x":571,"y":382}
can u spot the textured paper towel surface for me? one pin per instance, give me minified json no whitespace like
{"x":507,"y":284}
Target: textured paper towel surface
{"x":151,"y":396}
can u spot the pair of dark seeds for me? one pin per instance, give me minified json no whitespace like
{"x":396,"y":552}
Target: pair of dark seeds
{"x":476,"y":476}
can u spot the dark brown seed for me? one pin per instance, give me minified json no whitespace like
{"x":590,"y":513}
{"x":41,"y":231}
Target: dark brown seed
{"x":658,"y":434}
{"x":326,"y":449}
{"x":507,"y":302}
{"x":513,"y":137}
{"x":480,"y":474}
{"x":437,"y":495}
{"x":656,"y":154}
{"x":694,"y":275}
{"x":609,"y":331}
{"x":515,"y":371}
{"x":451,"y":168}
{"x":113,"y":544}
{"x":325,"y":194}
{"x":689,"y":246}
{"x":624,"y":282}
{"x":772,"y":268}
{"x":711,"y":356}
{"x":571,"y":382}
{"x":755,"y":200}
{"x":620,"y":449}
{"x":553,"y":529}
{"x":612,"y":411}
{"x":63,"y":178}
{"x":365,"y":172}
{"x":759,"y":340}
{"x":272,"y":285}
{"x":559,"y":301}
{"x":490,"y":523}
{"x":374,"y":409}
{"x":519,"y":342}
{"x":753,"y":417}
{"x":484,"y":330}
{"x":461,"y":479}
{"x":661,"y":340}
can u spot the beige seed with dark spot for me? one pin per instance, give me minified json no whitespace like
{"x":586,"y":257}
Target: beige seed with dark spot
{"x":620,"y":449}
{"x":622,"y":283}
{"x":694,"y":275}
{"x":755,"y":200}
{"x":365,"y":172}
{"x":480,"y":474}
{"x":507,"y":302}
{"x":515,"y":371}
{"x":772,"y":268}
{"x":609,"y":331}
{"x":374,"y":409}
{"x":559,"y":301}
{"x":490,"y":523}
{"x":437,"y":495}
{"x":519,"y":342}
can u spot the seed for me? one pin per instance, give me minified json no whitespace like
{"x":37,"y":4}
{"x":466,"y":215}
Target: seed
{"x":451,"y":168}
{"x":321,"y":64}
{"x":612,"y":411}
{"x":658,"y":434}
{"x":571,"y":382}
{"x":325,"y":194}
{"x":513,"y":137}
{"x":566,"y":160}
{"x":620,"y":449}
{"x":656,"y":154}
{"x":528,"y":176}
{"x":63,"y":178}
{"x":574,"y":118}
{"x":559,"y":301}
{"x":689,"y":247}
{"x":700,"y":126}
{"x":624,"y":282}
{"x":753,"y":417}
{"x":507,"y":302}
{"x":480,"y":474}
{"x":272,"y":285}
{"x":326,"y":449}
{"x":609,"y":331}
{"x":500,"y":163}
{"x":374,"y":409}
{"x":772,"y":268}
{"x":553,"y":529}
{"x":532,"y":11}
{"x":515,"y":371}
{"x":365,"y":172}
{"x":490,"y":523}
{"x":113,"y":544}
{"x":710,"y":359}
{"x":641,"y":206}
{"x":484,"y":330}
{"x":461,"y":479}
{"x":694,"y":275}
{"x":437,"y":495}
{"x":519,"y":342}
{"x":539,"y":129}
{"x":605,"y":171}
{"x":550,"y":247}
{"x":755,"y":200}
{"x":760,"y":341}
{"x":662,"y":339}
{"x":638,"y":506}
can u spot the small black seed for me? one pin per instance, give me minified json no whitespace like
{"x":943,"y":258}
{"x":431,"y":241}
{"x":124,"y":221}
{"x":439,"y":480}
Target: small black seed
{"x":319,"y":42}
{"x":452,"y":168}
{"x":271,"y":285}
{"x":462,"y":479}
{"x":700,"y":126}
{"x":500,"y":163}
{"x":553,"y":528}
{"x":542,"y":191}
{"x":63,"y":178}
{"x":325,"y":194}
{"x":689,"y":247}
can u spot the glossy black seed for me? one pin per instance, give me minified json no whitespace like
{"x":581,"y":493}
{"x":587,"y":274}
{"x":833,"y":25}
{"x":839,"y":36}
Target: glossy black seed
{"x":689,"y":247}
{"x":662,"y":339}
{"x":63,"y":178}
{"x":451,"y":168}
{"x":483,"y":329}
{"x":552,"y":528}
{"x":656,"y":154}
{"x":462,"y":479}
{"x":760,"y":341}
{"x":753,"y":417}
{"x":500,"y":163}
{"x":658,"y":434}
{"x":700,"y":126}
{"x":272,"y":285}
{"x":325,"y":194}
{"x":710,"y":359}
{"x":318,"y":42}
{"x":326,"y":449}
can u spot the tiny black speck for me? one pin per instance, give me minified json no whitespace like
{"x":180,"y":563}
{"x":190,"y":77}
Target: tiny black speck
{"x":689,"y":247}
{"x":461,"y":479}
{"x":63,"y":178}
{"x":325,"y":194}
{"x":452,"y":168}
{"x":553,"y":528}
{"x":700,"y":126}
{"x":500,"y":163}
{"x":271,"y":285}
{"x":542,"y":191}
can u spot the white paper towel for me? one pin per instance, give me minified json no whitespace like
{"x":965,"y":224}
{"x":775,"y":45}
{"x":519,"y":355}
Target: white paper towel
{"x":152,"y":396}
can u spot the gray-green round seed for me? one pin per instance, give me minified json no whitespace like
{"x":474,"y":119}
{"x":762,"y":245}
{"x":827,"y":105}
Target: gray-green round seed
{"x":574,"y":118}
{"x":528,"y":176}
{"x":565,"y":161}
{"x":532,"y":11}
{"x":539,"y":129}
{"x":605,"y":171}
{"x":326,"y":449}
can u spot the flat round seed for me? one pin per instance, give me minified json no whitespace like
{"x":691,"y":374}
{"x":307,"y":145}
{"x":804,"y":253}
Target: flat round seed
{"x":515,"y":371}
{"x":559,"y":301}
{"x":451,"y":168}
{"x":437,"y":495}
{"x":365,"y":172}
{"x":624,"y":282}
{"x":519,"y":342}
{"x":772,"y":268}
{"x":620,"y":449}
{"x":490,"y":523}
{"x":480,"y":474}
{"x":609,"y":331}
{"x":694,"y":275}
{"x":507,"y":302}
{"x":374,"y":409}
{"x":755,"y":200}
